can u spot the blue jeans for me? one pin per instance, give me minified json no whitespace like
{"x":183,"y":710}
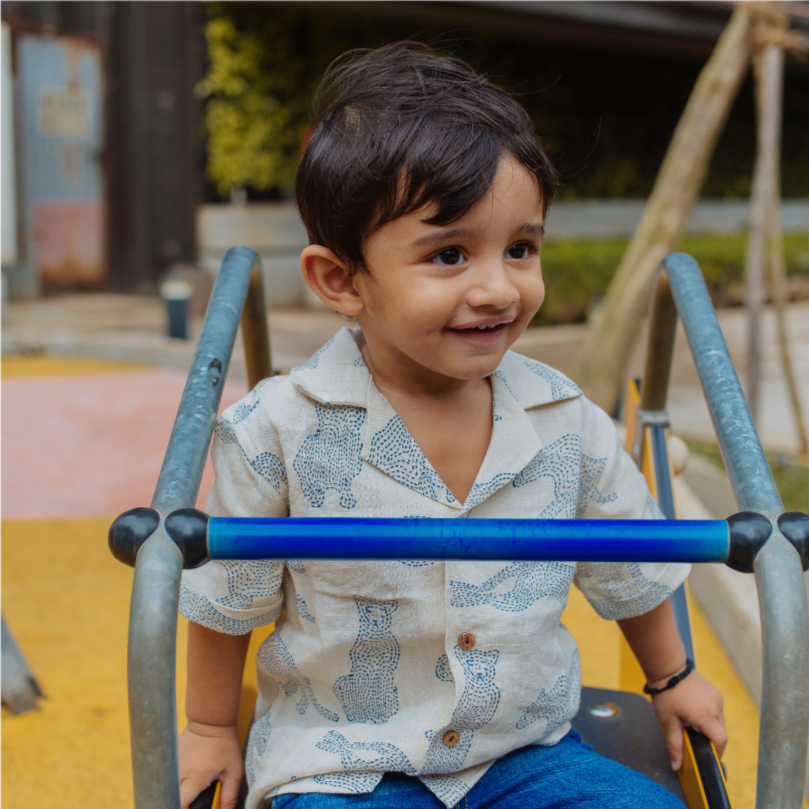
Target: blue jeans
{"x":568,"y":774}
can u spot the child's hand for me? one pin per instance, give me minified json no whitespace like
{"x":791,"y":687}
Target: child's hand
{"x":210,"y":753}
{"x":692,"y":703}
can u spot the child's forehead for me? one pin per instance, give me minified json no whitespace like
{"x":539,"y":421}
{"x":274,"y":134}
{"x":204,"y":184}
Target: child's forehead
{"x":513,"y":202}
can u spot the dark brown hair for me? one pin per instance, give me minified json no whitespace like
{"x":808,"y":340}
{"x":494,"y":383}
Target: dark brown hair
{"x":401,"y":127}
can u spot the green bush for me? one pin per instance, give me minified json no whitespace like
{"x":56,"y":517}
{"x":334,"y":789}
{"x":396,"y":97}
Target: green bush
{"x":577,"y":273}
{"x":791,"y":473}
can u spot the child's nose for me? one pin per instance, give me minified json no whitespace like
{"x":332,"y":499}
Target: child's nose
{"x":493,"y":286}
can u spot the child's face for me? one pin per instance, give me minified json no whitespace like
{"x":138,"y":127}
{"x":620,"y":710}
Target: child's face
{"x":452,"y":299}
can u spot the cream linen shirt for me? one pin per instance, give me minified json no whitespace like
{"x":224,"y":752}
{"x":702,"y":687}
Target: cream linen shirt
{"x":367,"y":673}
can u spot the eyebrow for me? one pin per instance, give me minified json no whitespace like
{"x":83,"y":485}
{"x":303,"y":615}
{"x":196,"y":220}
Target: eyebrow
{"x":535,"y":230}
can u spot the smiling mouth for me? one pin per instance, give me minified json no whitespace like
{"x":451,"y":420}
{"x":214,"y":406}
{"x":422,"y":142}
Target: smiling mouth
{"x":486,"y":333}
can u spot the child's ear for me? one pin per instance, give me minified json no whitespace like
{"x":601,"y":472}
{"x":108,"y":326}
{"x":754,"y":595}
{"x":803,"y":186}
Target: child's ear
{"x":328,"y":277}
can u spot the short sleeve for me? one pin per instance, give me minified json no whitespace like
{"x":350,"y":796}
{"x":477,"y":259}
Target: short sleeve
{"x":612,"y":487}
{"x":235,"y":597}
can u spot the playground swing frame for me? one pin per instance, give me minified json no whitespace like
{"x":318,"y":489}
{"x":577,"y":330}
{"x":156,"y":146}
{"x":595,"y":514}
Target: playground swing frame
{"x":159,"y":541}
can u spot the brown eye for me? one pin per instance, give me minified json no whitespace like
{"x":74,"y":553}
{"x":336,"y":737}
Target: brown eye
{"x":518,"y":251}
{"x":450,"y":256}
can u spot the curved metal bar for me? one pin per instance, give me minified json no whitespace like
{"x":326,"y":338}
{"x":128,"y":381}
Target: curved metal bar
{"x":784,"y":733}
{"x":151,"y":674}
{"x":181,"y":473}
{"x":155,"y":592}
{"x":782,"y":597}
{"x":750,"y":476}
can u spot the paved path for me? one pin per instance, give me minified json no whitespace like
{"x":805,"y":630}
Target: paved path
{"x":129,"y":328}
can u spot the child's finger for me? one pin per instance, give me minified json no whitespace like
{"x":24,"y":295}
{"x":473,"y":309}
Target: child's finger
{"x":714,"y":729}
{"x":229,"y":792}
{"x":673,"y":733}
{"x":190,"y":787}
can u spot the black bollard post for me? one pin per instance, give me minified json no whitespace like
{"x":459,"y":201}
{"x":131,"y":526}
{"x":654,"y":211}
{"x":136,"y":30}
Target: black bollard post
{"x":176,"y":294}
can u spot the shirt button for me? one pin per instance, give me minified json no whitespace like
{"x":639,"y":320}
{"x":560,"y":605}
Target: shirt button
{"x":466,"y":640}
{"x":451,"y":738}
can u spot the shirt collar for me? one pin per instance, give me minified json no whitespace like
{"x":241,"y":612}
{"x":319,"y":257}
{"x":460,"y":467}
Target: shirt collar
{"x":337,"y":375}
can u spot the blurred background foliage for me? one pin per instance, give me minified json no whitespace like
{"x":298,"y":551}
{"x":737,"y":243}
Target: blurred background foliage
{"x":605,"y":116}
{"x":577,"y":273}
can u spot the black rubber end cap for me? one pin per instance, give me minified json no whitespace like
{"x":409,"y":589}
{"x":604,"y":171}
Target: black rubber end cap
{"x":129,"y":531}
{"x":794,"y":526}
{"x":188,"y":528}
{"x":749,"y":530}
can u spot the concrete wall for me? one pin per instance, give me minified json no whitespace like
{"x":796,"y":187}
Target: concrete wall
{"x":275,"y":231}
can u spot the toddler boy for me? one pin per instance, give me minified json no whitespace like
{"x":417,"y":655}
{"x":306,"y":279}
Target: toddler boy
{"x":422,"y":684}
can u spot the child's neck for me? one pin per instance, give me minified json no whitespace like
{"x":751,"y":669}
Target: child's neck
{"x":450,"y":419}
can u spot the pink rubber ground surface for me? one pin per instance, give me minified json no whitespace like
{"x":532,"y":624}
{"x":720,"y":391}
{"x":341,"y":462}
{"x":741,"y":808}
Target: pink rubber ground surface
{"x":81,"y":446}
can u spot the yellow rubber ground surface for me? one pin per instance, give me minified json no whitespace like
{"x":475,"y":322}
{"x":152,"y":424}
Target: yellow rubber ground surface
{"x":13,"y":365}
{"x":67,"y":601}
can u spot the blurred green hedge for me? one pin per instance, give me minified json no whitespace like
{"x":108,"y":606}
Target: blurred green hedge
{"x":577,"y":273}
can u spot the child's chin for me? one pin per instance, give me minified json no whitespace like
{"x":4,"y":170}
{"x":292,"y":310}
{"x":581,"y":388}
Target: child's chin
{"x":479,"y":369}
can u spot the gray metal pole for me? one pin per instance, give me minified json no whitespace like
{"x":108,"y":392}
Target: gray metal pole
{"x":784,"y":732}
{"x":155,"y":592}
{"x":748,"y":470}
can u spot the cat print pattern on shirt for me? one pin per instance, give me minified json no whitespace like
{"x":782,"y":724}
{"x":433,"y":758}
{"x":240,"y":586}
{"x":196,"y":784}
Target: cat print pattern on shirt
{"x":482,"y":491}
{"x":248,"y":582}
{"x":302,"y":609}
{"x":367,"y":693}
{"x":257,"y":743}
{"x":443,"y":670}
{"x":531,"y":581}
{"x":277,"y":660}
{"x":395,"y":452}
{"x":202,"y":611}
{"x":626,"y":591}
{"x":330,"y":457}
{"x":476,"y":708}
{"x":574,"y":475}
{"x":591,"y":471}
{"x":561,"y":386}
{"x":555,"y":705}
{"x":251,"y":581}
{"x":352,"y":783}
{"x":368,"y":756}
{"x":266,"y":464}
{"x":243,"y":411}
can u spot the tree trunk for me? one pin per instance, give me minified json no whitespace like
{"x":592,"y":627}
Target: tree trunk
{"x":601,"y":362}
{"x":768,"y":67}
{"x":769,"y":72}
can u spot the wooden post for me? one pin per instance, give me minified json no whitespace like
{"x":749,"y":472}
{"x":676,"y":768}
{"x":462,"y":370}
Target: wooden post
{"x":768,"y":68}
{"x":769,"y":71}
{"x":601,"y":362}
